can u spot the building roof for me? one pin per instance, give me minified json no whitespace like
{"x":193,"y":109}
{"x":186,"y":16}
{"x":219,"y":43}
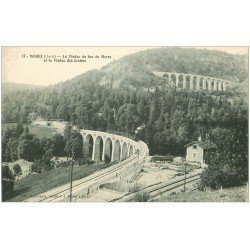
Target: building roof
{"x":21,"y":163}
{"x":202,"y":144}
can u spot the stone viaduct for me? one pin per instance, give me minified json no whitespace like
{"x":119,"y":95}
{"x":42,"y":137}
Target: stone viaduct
{"x":97,"y":144}
{"x":194,"y":82}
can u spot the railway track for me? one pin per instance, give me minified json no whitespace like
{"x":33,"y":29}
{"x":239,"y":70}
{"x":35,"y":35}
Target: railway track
{"x":61,"y":193}
{"x":162,"y":187}
{"x":171,"y":187}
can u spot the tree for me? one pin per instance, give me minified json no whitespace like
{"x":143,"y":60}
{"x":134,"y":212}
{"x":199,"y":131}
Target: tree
{"x":67,"y":131}
{"x":74,"y":145}
{"x":19,"y":129}
{"x":11,"y":147}
{"x":37,"y":166}
{"x":17,"y":170}
{"x":7,"y":183}
{"x":43,"y":164}
{"x":9,"y":144}
{"x":229,"y":167}
{"x":29,"y":149}
{"x":58,"y":145}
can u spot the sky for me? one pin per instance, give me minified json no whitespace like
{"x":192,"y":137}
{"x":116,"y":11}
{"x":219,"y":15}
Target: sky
{"x":27,"y":65}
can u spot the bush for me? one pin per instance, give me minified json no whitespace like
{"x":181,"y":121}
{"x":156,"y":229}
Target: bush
{"x":81,"y":162}
{"x":42,"y":165}
{"x":141,"y":197}
{"x":217,"y":176}
{"x":107,"y":159}
{"x":37,"y":167}
{"x":90,"y":162}
{"x":135,"y":188}
{"x":17,"y":170}
{"x":229,"y":166}
{"x":7,"y":183}
{"x":62,"y":164}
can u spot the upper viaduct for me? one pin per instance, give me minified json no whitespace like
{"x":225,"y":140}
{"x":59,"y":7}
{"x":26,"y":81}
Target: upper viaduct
{"x":97,"y":144}
{"x":194,"y":82}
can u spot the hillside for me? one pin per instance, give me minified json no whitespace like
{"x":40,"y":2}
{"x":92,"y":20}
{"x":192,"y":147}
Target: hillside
{"x":136,"y":69}
{"x":33,"y":185}
{"x":112,"y":99}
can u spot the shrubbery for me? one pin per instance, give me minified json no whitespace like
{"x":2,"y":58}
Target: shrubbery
{"x":219,"y":175}
{"x":8,"y":179}
{"x":107,"y":159}
{"x":90,"y":162}
{"x":229,"y":167}
{"x":43,"y":164}
{"x":141,"y":197}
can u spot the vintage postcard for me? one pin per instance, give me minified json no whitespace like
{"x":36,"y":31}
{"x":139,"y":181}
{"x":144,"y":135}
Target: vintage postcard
{"x":124,"y":124}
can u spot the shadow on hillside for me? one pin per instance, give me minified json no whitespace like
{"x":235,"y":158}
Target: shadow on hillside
{"x":20,"y":191}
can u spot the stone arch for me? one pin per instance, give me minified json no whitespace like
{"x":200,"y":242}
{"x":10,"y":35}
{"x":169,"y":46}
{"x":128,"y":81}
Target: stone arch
{"x":222,"y":86}
{"x":180,"y":81}
{"x":124,"y":154}
{"x":88,"y":145}
{"x":188,"y":82}
{"x":172,"y":79}
{"x":131,"y":151}
{"x":166,"y":75}
{"x":98,"y":149}
{"x":213,"y":85}
{"x":117,"y":151}
{"x":201,"y":83}
{"x":195,"y":83}
{"x":226,"y":86}
{"x":218,"y":86}
{"x":108,"y":149}
{"x":206,"y":83}
{"x":209,"y":83}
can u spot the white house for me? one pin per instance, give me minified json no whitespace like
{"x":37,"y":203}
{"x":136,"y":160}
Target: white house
{"x":200,"y":151}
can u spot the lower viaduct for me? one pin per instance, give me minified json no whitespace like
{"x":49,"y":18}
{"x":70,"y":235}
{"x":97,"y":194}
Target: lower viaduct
{"x":194,"y":82}
{"x":128,"y":154}
{"x":97,"y":145}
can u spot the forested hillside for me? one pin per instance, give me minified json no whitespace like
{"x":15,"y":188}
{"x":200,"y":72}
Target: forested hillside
{"x":104,"y":99}
{"x":136,"y":70}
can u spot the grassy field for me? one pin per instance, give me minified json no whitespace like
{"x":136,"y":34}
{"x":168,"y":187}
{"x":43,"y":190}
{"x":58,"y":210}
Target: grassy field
{"x":36,"y":184}
{"x":38,"y":131}
{"x":41,"y":132}
{"x":239,"y":194}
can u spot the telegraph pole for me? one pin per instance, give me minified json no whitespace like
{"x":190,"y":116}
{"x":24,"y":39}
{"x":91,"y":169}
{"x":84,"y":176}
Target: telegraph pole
{"x":71,"y":180}
{"x":71,"y":174}
{"x":185,"y":177}
{"x":138,"y":160}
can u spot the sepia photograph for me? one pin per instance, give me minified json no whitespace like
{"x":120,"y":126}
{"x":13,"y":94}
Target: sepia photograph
{"x":124,"y":124}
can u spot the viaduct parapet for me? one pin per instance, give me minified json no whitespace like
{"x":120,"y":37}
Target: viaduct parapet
{"x":194,"y":82}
